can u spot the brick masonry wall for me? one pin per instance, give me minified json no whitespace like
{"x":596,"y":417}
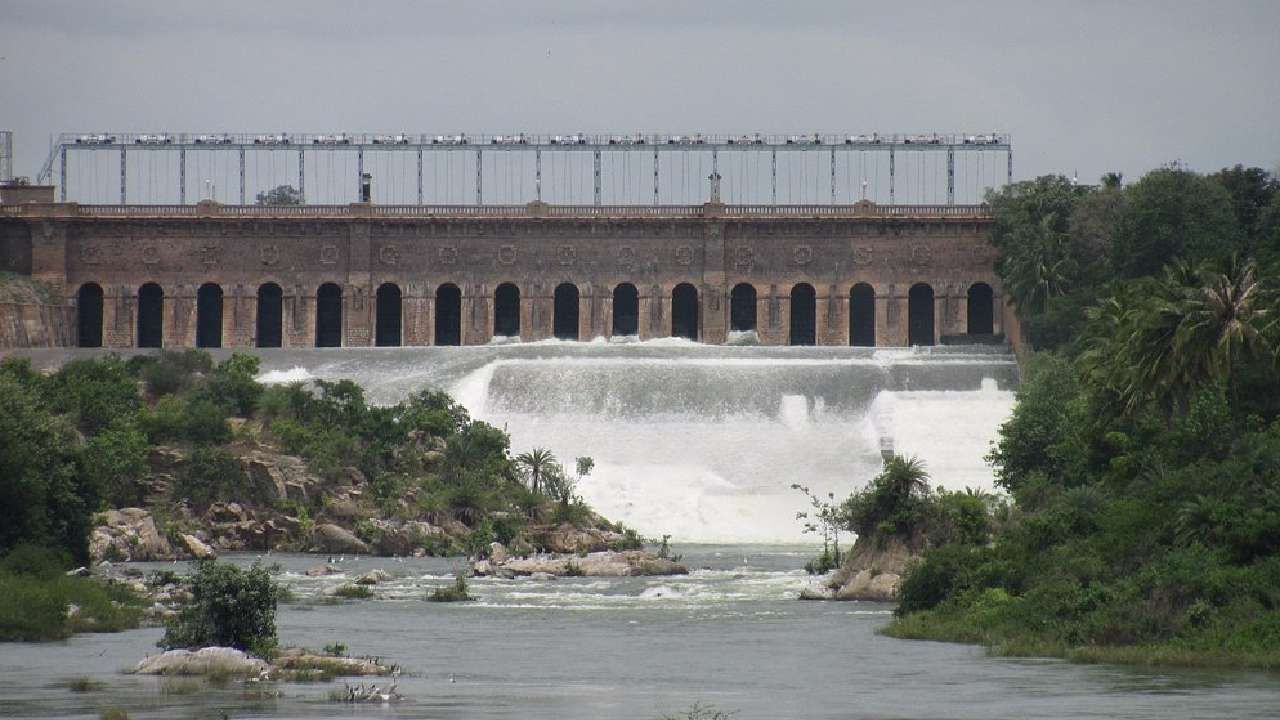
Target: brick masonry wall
{"x":421,"y":254}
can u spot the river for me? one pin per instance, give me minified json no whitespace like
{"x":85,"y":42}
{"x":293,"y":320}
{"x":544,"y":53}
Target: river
{"x":731,"y":634}
{"x":702,"y":442}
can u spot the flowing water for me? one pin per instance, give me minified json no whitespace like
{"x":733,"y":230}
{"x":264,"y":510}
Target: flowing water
{"x":700,"y":442}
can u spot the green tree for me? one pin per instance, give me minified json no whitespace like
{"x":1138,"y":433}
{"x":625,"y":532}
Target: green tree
{"x":1251,"y":190}
{"x":114,"y":461}
{"x":229,"y":607}
{"x":280,"y":195}
{"x":43,"y":498}
{"x":1173,"y":213}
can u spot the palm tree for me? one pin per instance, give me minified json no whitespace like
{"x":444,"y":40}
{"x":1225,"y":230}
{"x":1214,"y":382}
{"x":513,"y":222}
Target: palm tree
{"x":905,"y":476}
{"x":537,"y":465}
{"x":1193,"y":329}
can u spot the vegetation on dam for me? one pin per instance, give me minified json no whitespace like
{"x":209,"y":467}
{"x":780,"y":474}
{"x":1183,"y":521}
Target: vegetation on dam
{"x":1143,"y":456}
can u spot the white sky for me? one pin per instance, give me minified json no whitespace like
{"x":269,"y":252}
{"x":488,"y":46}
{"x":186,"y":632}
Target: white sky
{"x":1087,"y":86}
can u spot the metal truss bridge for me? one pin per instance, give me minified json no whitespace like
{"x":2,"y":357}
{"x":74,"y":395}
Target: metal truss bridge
{"x":644,"y":169}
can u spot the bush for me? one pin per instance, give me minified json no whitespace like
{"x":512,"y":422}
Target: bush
{"x":174,"y":371}
{"x":353,"y":592}
{"x":96,"y":392}
{"x":229,"y":607}
{"x":213,"y":474}
{"x":35,"y":597}
{"x":457,"y":592}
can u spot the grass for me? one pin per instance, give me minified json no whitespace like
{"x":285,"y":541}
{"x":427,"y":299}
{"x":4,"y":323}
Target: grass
{"x":113,"y":713}
{"x":353,"y":592}
{"x":457,"y":592}
{"x":85,"y":684}
{"x":946,"y":625}
{"x":38,"y":607}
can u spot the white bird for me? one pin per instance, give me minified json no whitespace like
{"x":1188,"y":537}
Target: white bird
{"x":451,"y":679}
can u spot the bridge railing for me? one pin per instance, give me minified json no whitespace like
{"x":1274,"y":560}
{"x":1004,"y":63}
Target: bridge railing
{"x":533,"y":210}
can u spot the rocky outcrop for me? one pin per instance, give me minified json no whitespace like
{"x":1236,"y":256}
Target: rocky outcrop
{"x":128,"y":534}
{"x":330,"y":538}
{"x":278,"y":477}
{"x":873,"y":569}
{"x":599,"y":564}
{"x":196,"y":548}
{"x":289,"y":663}
{"x":205,"y":661}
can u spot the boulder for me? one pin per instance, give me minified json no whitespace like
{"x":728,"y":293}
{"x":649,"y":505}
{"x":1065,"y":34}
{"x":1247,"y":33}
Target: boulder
{"x":397,"y":538}
{"x":497,"y":553}
{"x":373,"y":577}
{"x":196,"y":547}
{"x":224,"y":512}
{"x":874,"y":567}
{"x":865,"y":585}
{"x":165,"y":460}
{"x":205,"y":661}
{"x":321,"y":570}
{"x":128,"y":534}
{"x":328,"y":537}
{"x":277,"y":477}
{"x":342,"y":508}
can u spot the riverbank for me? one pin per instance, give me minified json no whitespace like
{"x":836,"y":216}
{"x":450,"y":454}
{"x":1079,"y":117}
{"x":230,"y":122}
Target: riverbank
{"x":945,"y":625}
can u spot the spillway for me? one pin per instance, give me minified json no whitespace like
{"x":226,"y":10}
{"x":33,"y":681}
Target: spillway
{"x":704,"y":442}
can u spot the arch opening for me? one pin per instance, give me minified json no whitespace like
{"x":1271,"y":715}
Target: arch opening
{"x":626,"y":310}
{"x":981,"y":320}
{"x":329,"y":316}
{"x":150,"y":316}
{"x":684,"y":312}
{"x":742,"y":307}
{"x":862,"y":316}
{"x":270,"y":331}
{"x":388,"y":312}
{"x":920,"y":315}
{"x":89,"y":315}
{"x":564,"y":324}
{"x":448,"y":315}
{"x":804,"y":315}
{"x":209,"y":316}
{"x":506,"y":310}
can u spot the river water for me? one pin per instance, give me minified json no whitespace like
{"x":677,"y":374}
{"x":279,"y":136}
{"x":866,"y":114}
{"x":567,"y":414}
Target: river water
{"x":697,"y":441}
{"x":731,"y":634}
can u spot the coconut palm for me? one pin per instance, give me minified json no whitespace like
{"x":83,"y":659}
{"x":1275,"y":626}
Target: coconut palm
{"x":905,"y":476}
{"x":1193,"y":329}
{"x":537,"y":465}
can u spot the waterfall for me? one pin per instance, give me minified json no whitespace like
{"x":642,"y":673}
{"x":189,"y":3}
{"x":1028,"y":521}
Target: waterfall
{"x":704,"y":442}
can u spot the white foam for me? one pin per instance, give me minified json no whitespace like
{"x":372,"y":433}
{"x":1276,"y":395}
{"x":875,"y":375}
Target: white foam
{"x":281,"y":377}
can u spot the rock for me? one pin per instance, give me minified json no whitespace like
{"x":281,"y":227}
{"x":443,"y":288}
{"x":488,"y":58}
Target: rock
{"x":331,"y":538}
{"x":811,"y":594}
{"x":81,"y":571}
{"x":373,"y":577}
{"x":165,"y":460}
{"x":497,"y":553}
{"x":276,"y":476}
{"x":300,"y":659}
{"x":566,"y":538}
{"x":599,"y":564}
{"x":321,"y":570}
{"x":541,"y":576}
{"x":196,"y":547}
{"x":873,"y":569}
{"x":396,"y":538}
{"x":128,"y":534}
{"x":342,"y":508}
{"x":226,"y":512}
{"x":219,"y":660}
{"x":870,"y":587}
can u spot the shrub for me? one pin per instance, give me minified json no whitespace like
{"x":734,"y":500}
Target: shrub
{"x":212,"y":474}
{"x":353,"y":592}
{"x":457,"y":592}
{"x":95,"y":391}
{"x":173,"y":371}
{"x":229,"y":606}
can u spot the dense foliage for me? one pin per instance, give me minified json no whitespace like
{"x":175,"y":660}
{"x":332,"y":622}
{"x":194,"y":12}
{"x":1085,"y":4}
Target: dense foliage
{"x":229,"y":607}
{"x":39,"y":602}
{"x":1144,"y":452}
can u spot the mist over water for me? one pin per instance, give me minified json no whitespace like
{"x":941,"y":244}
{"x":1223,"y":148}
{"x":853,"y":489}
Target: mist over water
{"x":704,"y":442}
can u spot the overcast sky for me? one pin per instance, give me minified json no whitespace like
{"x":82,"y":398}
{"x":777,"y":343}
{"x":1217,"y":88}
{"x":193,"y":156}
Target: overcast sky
{"x":1087,"y":86}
